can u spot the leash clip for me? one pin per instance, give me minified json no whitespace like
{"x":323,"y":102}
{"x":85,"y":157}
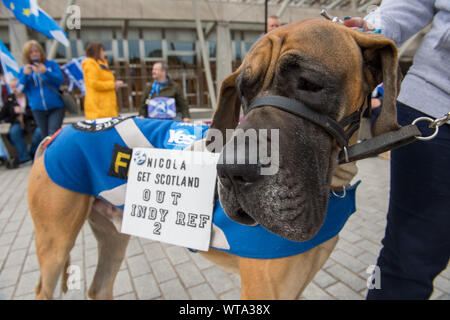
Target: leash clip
{"x":436,"y":123}
{"x":324,"y":13}
{"x":440,"y":121}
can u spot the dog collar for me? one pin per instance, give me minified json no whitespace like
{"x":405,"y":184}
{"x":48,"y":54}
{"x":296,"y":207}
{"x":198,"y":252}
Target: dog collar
{"x":362,"y":150}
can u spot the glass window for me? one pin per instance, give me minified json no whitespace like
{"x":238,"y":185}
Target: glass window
{"x":185,"y":62}
{"x":212,"y":49}
{"x":153,"y":48}
{"x":61,"y":52}
{"x":108,"y":45}
{"x":237,"y":45}
{"x":248,"y":45}
{"x":73,"y":48}
{"x":133,"y":50}
{"x":181,"y":46}
{"x":188,"y":61}
{"x":120,"y":48}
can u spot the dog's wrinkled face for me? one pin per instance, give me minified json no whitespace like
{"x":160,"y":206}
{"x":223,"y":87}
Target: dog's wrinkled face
{"x":317,"y":63}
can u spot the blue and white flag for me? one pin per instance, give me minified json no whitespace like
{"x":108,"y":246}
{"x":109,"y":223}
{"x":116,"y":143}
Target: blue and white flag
{"x":29,"y":13}
{"x":9,"y":64}
{"x":74,"y":73}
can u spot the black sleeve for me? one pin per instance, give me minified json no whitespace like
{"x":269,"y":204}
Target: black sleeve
{"x":142,"y":109}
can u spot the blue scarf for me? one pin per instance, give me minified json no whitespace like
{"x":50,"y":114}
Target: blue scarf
{"x":156,"y":87}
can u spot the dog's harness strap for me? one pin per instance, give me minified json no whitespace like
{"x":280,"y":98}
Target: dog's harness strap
{"x":352,"y":121}
{"x":362,"y":150}
{"x":299,"y":109}
{"x":380,"y":144}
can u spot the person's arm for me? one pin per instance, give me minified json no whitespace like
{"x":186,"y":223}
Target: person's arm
{"x":142,"y":103}
{"x":23,"y":80}
{"x":399,"y":20}
{"x":182,"y":104}
{"x":92,"y":79}
{"x":53,"y":74}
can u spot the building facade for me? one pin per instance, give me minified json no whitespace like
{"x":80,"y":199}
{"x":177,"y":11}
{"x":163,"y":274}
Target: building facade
{"x":136,"y":33}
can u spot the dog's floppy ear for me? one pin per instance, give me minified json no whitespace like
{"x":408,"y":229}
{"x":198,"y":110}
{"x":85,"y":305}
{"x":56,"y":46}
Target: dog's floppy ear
{"x":228,"y":105}
{"x":381,"y":65}
{"x":258,"y":67}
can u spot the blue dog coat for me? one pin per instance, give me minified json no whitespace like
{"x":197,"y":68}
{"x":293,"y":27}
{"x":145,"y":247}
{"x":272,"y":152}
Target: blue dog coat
{"x":79,"y":157}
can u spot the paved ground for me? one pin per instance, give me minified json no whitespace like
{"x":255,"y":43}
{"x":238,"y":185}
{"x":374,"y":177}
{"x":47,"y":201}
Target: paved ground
{"x":157,"y":271}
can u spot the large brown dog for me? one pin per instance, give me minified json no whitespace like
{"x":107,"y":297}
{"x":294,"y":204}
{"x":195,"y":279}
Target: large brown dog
{"x":323,"y":64}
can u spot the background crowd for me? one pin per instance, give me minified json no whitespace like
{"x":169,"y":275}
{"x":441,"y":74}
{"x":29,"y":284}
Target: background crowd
{"x":33,"y":106}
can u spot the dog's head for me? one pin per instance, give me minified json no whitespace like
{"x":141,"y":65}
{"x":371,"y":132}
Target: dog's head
{"x":329,"y":68}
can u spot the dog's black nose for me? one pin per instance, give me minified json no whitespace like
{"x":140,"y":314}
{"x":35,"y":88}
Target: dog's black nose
{"x":237,"y":168}
{"x":238,"y":173}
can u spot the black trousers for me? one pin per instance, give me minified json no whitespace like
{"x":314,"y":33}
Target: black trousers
{"x":416,"y":246}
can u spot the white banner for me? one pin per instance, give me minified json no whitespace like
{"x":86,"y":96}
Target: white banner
{"x":170,"y":196}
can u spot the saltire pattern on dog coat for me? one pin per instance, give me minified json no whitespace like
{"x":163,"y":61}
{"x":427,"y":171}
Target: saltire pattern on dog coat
{"x":259,"y":243}
{"x":79,"y":159}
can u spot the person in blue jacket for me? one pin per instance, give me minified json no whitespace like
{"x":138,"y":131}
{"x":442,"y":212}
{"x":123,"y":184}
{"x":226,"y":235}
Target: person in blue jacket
{"x":40,"y":79}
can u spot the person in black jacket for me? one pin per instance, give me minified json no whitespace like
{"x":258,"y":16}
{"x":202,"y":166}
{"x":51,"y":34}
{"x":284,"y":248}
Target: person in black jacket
{"x":17,"y":112}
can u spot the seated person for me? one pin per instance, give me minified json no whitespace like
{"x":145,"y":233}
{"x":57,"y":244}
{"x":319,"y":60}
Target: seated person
{"x":164,"y":98}
{"x":17,"y":112}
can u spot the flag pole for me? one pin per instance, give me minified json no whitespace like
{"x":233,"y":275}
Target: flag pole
{"x":54,"y":47}
{"x":266,"y":13}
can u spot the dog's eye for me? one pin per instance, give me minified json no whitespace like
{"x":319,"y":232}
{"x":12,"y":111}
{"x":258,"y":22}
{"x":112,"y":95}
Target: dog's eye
{"x":306,"y":85}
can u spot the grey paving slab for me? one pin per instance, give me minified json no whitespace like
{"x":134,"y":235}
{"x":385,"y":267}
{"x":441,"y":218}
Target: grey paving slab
{"x":202,"y":292}
{"x":154,"y":251}
{"x":190,"y":275}
{"x":343,"y":292}
{"x":177,"y":255}
{"x":26,"y":284}
{"x":233,"y":294}
{"x":324,"y":279}
{"x":173,"y":290}
{"x":153,"y":270}
{"x":163,"y":270}
{"x":146,"y":287}
{"x":138,"y":265}
{"x":348,"y":261}
{"x":315,"y":292}
{"x":122,"y":284}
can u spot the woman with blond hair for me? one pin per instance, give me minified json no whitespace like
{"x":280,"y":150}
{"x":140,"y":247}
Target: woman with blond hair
{"x":40,"y":79}
{"x":100,"y":100}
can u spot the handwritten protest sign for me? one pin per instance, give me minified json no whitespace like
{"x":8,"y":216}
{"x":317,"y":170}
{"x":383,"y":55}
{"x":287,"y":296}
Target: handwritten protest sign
{"x":170,"y":196}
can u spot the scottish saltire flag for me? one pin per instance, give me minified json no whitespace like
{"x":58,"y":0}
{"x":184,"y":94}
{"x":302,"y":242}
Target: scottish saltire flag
{"x":74,"y":73}
{"x":9,"y":64}
{"x":29,"y":13}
